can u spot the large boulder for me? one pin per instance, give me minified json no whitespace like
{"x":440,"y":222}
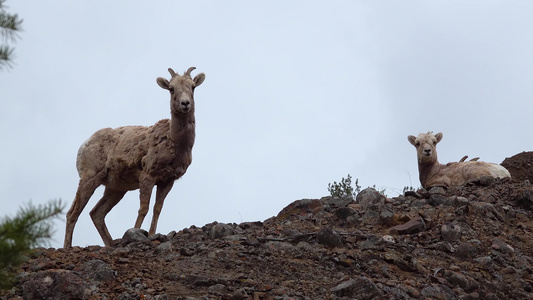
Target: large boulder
{"x":56,"y":284}
{"x":520,"y":166}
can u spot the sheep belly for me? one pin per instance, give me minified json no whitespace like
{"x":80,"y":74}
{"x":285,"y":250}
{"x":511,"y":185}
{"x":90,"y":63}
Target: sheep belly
{"x":126,"y":179}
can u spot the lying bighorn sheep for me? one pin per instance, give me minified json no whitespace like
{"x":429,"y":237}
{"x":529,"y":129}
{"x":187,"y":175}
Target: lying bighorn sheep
{"x":432,"y":173}
{"x":137,"y":157}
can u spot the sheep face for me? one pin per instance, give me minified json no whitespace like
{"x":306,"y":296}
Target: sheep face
{"x":426,"y":146}
{"x":181,"y":90}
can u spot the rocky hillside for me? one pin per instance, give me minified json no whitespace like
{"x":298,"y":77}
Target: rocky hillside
{"x":469,"y":242}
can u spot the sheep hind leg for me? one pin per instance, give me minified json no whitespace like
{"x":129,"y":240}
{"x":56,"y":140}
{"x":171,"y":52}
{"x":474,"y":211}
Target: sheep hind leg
{"x":161,"y":194}
{"x":101,"y":209}
{"x":86,"y":188}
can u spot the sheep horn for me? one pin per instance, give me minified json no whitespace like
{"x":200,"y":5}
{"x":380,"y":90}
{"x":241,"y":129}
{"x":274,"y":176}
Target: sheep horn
{"x":189,"y":71}
{"x":172,"y":73}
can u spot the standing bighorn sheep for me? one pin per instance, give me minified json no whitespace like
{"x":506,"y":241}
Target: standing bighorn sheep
{"x":432,"y":173}
{"x":137,"y":157}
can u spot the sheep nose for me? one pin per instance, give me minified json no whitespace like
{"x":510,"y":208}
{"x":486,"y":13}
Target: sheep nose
{"x":185,"y":103}
{"x":427,"y":151}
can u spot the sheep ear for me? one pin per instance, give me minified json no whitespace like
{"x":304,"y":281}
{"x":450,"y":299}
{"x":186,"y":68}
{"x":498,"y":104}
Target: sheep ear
{"x":198,"y":79}
{"x":162,"y":82}
{"x":412,"y":140}
{"x":438,"y":136}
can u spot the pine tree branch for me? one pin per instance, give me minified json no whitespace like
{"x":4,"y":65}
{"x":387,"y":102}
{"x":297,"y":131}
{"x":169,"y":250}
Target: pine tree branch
{"x":6,"y":56}
{"x":31,"y":227}
{"x":10,"y":25}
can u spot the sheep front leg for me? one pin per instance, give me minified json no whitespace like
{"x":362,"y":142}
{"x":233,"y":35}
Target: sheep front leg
{"x":161,"y":194}
{"x":145,"y":189}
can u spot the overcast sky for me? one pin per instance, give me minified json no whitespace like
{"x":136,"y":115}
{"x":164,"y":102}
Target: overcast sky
{"x":297,"y":95}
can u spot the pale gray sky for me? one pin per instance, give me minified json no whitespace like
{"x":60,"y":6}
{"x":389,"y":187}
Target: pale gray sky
{"x":297,"y":95}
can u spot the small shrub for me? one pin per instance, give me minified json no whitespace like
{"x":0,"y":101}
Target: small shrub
{"x":344,"y":188}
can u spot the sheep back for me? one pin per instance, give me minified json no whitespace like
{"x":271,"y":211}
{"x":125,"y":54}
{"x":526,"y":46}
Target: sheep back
{"x":457,"y":173}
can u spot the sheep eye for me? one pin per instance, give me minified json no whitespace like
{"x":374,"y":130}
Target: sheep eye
{"x":171,"y":89}
{"x":418,"y":144}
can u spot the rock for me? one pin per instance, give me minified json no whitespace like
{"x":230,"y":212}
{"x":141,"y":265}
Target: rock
{"x":98,"y":270}
{"x":471,"y":296}
{"x":251,"y":225}
{"x":165,"y":247}
{"x":457,"y":279}
{"x":501,"y":246}
{"x":159,"y":237}
{"x":389,"y":239}
{"x":345,"y":212}
{"x":371,"y":217}
{"x":217,"y":289}
{"x":56,"y":284}
{"x":520,"y":166}
{"x":186,"y":252}
{"x":361,"y":288}
{"x":484,"y":261}
{"x":329,"y":238}
{"x":336,"y":202}
{"x":486,"y":180}
{"x":121,"y":251}
{"x":466,"y":250}
{"x":415,"y":225}
{"x":370,"y":199}
{"x":413,"y":194}
{"x":437,"y":292}
{"x":460,"y":201}
{"x":275,"y":247}
{"x":127,"y":296}
{"x":300,"y":208}
{"x":386,"y":215}
{"x":171,"y":234}
{"x":372,"y":242}
{"x":437,"y":190}
{"x":451,"y":232}
{"x":485,"y":209}
{"x":239,"y":294}
{"x":220,"y":230}
{"x":135,"y":235}
{"x":524,"y":199}
{"x":419,"y":202}
{"x":437,"y":199}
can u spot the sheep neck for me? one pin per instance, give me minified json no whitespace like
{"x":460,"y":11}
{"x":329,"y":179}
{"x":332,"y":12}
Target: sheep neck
{"x":182,"y":131}
{"x":427,"y":171}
